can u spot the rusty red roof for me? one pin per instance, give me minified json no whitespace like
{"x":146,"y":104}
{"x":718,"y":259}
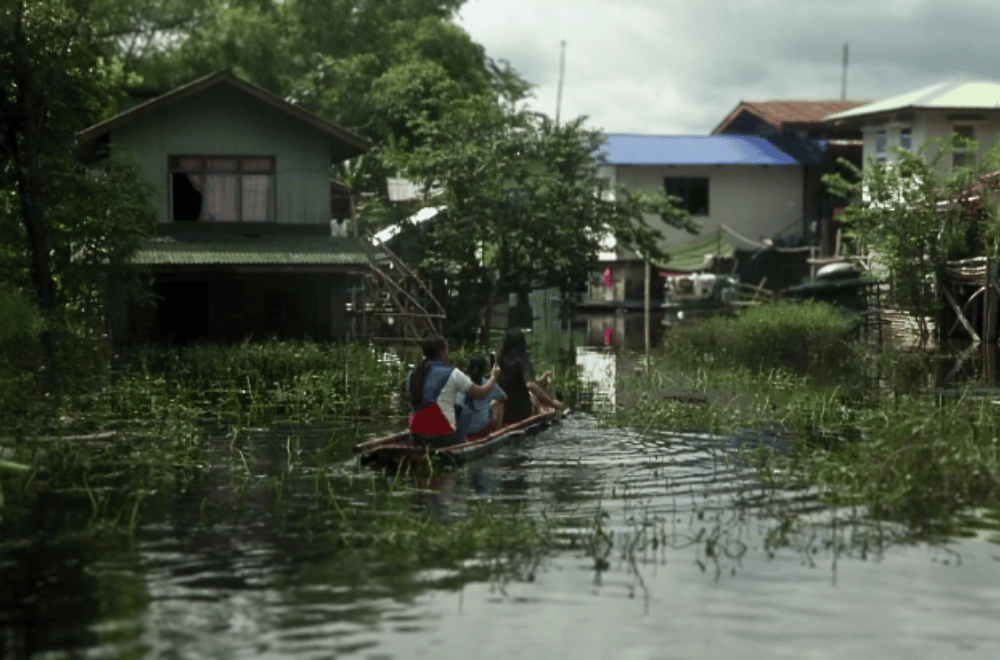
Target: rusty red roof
{"x":788,"y":113}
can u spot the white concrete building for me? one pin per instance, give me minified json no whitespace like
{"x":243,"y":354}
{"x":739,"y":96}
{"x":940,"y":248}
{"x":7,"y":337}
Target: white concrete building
{"x":748,"y":186}
{"x":908,"y":121}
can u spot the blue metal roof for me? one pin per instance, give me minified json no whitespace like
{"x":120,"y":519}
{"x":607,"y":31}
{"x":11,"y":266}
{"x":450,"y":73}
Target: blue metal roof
{"x":626,"y":149}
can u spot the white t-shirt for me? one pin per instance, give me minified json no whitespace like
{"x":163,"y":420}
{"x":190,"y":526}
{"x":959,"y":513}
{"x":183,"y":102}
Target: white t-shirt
{"x":457,"y":382}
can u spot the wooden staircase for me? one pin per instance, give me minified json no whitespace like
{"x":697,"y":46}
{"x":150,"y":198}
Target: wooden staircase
{"x":393,"y":305}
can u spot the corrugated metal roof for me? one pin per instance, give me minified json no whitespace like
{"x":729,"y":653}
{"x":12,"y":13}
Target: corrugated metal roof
{"x":782,"y":114}
{"x":958,"y":94}
{"x":256,"y":251}
{"x":627,"y":149}
{"x":420,"y":217}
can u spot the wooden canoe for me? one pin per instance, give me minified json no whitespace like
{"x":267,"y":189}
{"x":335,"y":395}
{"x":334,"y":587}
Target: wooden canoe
{"x":396,"y":448}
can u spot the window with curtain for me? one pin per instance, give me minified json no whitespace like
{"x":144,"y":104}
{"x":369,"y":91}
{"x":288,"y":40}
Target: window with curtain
{"x":222,"y":188}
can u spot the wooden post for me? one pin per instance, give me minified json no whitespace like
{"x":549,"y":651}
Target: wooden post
{"x":354,"y":216}
{"x":989,"y":364}
{"x":989,"y":327}
{"x":646,"y":311}
{"x":984,"y":332}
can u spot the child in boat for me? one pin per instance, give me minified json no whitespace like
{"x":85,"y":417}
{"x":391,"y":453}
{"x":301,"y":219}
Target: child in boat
{"x":432,"y":388}
{"x":480,"y":417}
{"x":517,"y":377}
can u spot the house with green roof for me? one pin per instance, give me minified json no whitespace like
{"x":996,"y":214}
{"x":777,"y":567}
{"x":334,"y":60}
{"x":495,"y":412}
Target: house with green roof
{"x":907,"y":121}
{"x":245,"y":245}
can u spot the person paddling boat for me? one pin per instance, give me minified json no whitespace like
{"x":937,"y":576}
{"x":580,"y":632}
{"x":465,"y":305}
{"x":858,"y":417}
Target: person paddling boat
{"x":432,"y":391}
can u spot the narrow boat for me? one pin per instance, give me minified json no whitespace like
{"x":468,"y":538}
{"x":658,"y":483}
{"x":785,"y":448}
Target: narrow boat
{"x":397,"y":448}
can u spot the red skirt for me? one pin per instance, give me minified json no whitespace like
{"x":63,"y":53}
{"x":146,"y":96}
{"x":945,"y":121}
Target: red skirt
{"x":430,"y":421}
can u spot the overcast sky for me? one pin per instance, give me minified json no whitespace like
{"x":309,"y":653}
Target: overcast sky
{"x":680,"y":66}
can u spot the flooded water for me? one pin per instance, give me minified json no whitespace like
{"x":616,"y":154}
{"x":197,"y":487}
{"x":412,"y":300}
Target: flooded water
{"x":669,"y":547}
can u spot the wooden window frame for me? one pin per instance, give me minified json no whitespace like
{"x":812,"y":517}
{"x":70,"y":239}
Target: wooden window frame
{"x":173,"y":167}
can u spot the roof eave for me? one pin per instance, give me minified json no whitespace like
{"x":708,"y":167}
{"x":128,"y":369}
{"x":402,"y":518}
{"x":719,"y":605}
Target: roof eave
{"x":840,"y":117}
{"x":356,"y":144}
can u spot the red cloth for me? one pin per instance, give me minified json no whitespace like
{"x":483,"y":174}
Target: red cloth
{"x":430,"y":421}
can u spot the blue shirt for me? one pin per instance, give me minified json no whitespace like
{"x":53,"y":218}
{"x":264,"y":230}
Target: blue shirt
{"x":475,"y":413}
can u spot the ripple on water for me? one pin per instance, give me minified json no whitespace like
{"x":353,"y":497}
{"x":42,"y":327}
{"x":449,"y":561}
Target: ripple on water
{"x":737,"y":568}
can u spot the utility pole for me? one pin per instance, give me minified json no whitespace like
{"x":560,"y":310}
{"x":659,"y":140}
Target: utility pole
{"x":562,"y":70}
{"x":843,"y":78}
{"x":645,"y":309}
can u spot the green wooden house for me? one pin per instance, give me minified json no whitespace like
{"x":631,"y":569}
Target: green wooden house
{"x":242,"y":184}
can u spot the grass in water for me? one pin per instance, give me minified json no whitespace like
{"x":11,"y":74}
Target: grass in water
{"x":889,"y":446}
{"x":143,"y":438}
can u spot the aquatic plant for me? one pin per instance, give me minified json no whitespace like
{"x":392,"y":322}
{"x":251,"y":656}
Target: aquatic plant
{"x":808,"y":338}
{"x":255,"y":383}
{"x":908,"y":457}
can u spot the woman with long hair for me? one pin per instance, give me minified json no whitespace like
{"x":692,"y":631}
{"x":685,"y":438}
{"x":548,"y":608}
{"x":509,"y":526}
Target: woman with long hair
{"x":517,"y":377}
{"x":433,"y":387}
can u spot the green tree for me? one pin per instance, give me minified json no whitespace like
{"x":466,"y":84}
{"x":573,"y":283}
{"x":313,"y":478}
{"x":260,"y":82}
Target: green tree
{"x":57,"y":223}
{"x":909,"y":214}
{"x":141,"y":31}
{"x":181,"y":40}
{"x":525,"y":207}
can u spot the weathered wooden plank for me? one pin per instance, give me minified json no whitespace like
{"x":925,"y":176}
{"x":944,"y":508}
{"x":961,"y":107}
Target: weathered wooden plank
{"x":961,"y":317}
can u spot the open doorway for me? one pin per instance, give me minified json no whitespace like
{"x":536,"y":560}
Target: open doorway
{"x":182,"y":310}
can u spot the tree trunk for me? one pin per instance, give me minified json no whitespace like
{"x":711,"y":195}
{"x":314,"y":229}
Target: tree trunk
{"x":30,"y":108}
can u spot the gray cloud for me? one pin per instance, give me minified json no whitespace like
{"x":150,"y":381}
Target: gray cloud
{"x":680,"y":66}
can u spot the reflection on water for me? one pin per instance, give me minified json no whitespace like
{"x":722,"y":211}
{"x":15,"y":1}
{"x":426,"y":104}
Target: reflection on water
{"x":624,"y":329}
{"x":667,"y":545}
{"x":598,"y":372}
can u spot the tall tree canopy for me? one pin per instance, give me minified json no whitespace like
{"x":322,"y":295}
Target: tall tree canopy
{"x":525,"y":207}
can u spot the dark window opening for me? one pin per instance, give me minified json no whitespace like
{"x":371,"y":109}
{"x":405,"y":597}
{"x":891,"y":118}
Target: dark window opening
{"x":692,"y":191}
{"x":964,"y":156}
{"x":187,"y":199}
